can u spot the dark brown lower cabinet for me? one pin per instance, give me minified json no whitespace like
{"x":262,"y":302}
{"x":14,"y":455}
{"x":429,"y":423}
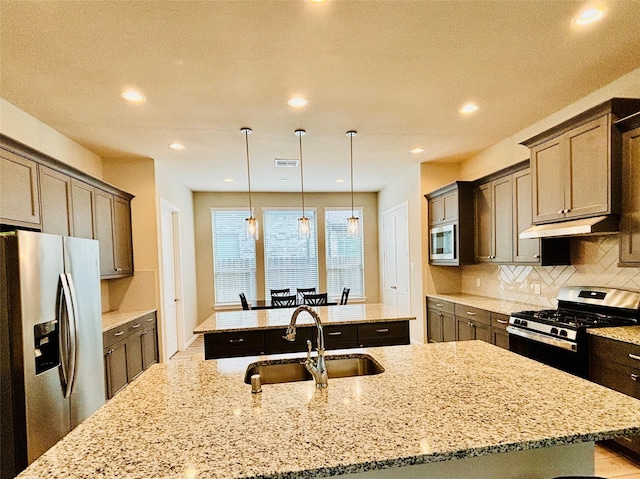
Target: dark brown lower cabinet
{"x":499,"y":335}
{"x":469,"y":329}
{"x":128,"y":351}
{"x":270,"y":341}
{"x":616,"y":365}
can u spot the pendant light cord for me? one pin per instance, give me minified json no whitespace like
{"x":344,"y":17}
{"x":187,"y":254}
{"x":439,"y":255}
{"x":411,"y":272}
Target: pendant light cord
{"x":300,"y":134}
{"x":351,"y":142}
{"x":246,"y":132}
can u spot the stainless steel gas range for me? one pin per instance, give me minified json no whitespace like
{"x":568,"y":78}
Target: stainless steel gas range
{"x":558,"y":337}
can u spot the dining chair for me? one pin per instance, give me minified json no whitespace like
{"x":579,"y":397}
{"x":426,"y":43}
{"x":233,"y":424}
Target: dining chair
{"x":319,"y":299}
{"x":280,"y":292}
{"x":345,"y":296}
{"x":245,"y":303}
{"x":302,"y":291}
{"x":283,"y":301}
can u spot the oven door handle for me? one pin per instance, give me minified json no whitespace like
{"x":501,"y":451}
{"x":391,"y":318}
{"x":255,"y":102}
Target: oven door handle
{"x":543,"y":338}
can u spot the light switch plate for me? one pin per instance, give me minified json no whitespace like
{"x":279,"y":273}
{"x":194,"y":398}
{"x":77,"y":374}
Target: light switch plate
{"x":477,"y":282}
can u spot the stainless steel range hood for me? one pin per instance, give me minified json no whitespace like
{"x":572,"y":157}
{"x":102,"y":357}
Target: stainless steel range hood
{"x":599,"y":225}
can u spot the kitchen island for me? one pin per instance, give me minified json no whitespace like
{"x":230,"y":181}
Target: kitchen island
{"x":465,"y":409}
{"x":255,"y":332}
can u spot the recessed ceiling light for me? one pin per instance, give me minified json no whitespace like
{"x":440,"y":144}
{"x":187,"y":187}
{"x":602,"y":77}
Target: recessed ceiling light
{"x":589,"y":15}
{"x":297,"y":102}
{"x":176,"y":146}
{"x":415,"y":151}
{"x":228,"y":180}
{"x":317,"y":2}
{"x":340,"y":180}
{"x":468,"y":108}
{"x":134,"y":96}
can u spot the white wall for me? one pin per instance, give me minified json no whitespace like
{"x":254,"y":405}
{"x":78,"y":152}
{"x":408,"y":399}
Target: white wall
{"x":168,"y":189}
{"x":30,"y":131}
{"x":406,"y":187}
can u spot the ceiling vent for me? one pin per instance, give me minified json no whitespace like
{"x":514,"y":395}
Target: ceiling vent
{"x":284,"y":163}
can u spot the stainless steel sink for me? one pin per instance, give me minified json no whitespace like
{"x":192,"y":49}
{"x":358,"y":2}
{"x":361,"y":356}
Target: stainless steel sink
{"x":293,"y":369}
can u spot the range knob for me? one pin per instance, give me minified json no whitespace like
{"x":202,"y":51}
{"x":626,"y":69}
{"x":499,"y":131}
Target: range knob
{"x":554,"y":331}
{"x":563,"y":332}
{"x":516,"y":321}
{"x":523,"y":323}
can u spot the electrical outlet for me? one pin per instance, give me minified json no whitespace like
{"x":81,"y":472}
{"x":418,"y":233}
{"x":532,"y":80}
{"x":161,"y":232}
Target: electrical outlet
{"x":536,"y":288}
{"x":477,"y":282}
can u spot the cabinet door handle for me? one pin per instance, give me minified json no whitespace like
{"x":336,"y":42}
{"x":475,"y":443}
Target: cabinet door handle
{"x":236,"y":341}
{"x":118,"y":270}
{"x":633,"y":356}
{"x":634,"y":377}
{"x":135,"y":326}
{"x":536,"y":256}
{"x":335,"y":333}
{"x":560,"y":212}
{"x":110,"y":352}
{"x":440,"y":314}
{"x":120,"y":333}
{"x":471,"y":313}
{"x":382,"y":330}
{"x":502,"y":321}
{"x":471,"y":325}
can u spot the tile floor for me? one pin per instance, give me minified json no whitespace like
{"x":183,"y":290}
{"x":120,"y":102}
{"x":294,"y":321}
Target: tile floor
{"x":609,"y":464}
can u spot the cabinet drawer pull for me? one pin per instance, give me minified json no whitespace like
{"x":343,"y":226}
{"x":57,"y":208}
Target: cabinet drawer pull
{"x":236,"y":341}
{"x":502,"y":321}
{"x":335,"y":333}
{"x":439,"y":305}
{"x":150,"y":319}
{"x":634,"y":377}
{"x":471,"y":313}
{"x":135,"y":326}
{"x":634,"y":356}
{"x":382,"y":330}
{"x":120,"y":333}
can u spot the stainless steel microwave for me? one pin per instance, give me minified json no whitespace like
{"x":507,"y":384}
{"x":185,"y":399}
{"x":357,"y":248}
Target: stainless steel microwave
{"x":442,"y":242}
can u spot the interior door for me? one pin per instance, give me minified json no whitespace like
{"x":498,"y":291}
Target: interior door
{"x":396,"y":258}
{"x":169,"y":311}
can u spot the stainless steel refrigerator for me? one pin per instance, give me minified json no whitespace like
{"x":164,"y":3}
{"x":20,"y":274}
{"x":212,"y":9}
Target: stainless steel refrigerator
{"x":51,"y":349}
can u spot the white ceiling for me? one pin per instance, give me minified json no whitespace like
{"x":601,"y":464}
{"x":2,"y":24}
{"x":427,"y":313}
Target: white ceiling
{"x":396,"y":71}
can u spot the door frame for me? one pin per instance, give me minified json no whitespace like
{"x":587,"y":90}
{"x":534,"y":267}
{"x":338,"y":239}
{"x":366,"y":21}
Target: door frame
{"x":176,"y":248}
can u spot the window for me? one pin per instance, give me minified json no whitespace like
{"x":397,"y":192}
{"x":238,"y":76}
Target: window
{"x":289,"y":261}
{"x":345,"y":257}
{"x":234,"y":257}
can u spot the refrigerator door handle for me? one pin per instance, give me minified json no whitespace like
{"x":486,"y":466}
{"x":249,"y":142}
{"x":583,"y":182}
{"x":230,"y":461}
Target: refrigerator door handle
{"x":67,"y":347}
{"x":73,"y":357}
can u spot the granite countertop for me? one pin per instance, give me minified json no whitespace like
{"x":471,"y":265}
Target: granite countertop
{"x":626,"y":334}
{"x":496,"y":305}
{"x":280,"y":317}
{"x":114,"y":319}
{"x":433,"y":403}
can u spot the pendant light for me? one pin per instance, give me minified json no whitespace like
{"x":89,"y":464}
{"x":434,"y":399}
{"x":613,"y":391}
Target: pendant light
{"x":304,"y":226}
{"x":251,"y":225}
{"x":353,"y":226}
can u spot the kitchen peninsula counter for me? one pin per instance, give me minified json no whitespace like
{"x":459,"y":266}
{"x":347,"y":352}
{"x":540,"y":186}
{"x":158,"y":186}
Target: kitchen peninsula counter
{"x":437,"y":405}
{"x":626,"y":334}
{"x":229,"y":321}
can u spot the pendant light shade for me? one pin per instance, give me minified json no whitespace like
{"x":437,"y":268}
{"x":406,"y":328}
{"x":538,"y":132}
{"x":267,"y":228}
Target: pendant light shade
{"x":353,"y":225}
{"x":304,"y":225}
{"x":251,"y":223}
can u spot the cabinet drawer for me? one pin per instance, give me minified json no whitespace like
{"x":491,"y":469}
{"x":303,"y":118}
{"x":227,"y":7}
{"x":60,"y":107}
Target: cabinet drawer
{"x":340,"y":336}
{"x":619,"y":377}
{"x":617,"y":351}
{"x":114,"y":335}
{"x":148,"y":321}
{"x":469,"y":312}
{"x":440,"y":305}
{"x":232,"y":344}
{"x":499,"y":320}
{"x":276,"y":343}
{"x":383,"y":334}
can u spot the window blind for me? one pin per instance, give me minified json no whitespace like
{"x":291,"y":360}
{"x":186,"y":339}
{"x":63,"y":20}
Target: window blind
{"x":234,"y":257}
{"x":289,"y":261}
{"x":345,"y":254}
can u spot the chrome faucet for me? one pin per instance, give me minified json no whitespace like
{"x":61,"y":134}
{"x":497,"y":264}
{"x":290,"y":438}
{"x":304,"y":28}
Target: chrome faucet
{"x":317,"y":368}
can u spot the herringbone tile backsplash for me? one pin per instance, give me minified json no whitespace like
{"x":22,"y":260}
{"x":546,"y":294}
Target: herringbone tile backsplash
{"x":594,"y":262}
